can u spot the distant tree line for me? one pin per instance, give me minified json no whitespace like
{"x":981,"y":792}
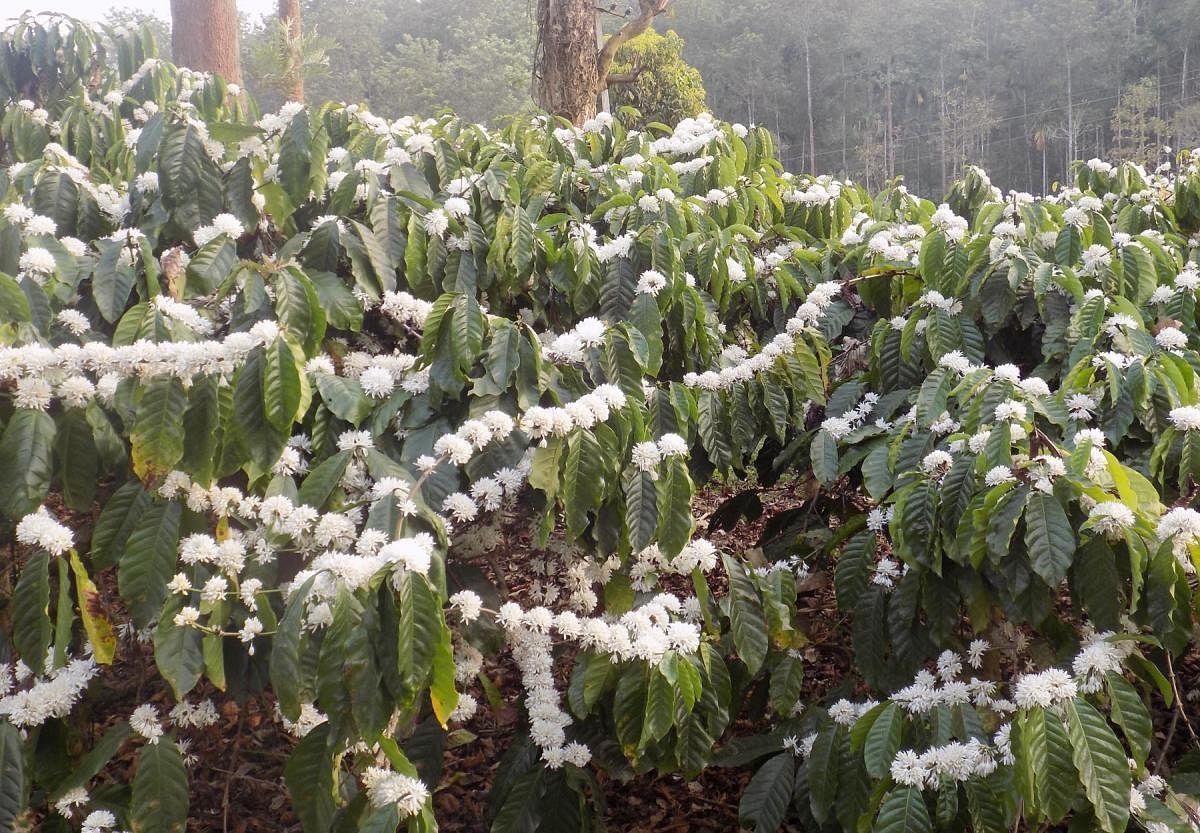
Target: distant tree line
{"x":871,"y":89}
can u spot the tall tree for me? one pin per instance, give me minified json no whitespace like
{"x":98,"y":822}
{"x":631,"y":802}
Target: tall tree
{"x":293,"y":41}
{"x":570,"y":70}
{"x":204,"y":37}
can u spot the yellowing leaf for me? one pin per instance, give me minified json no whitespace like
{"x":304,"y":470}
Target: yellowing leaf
{"x":96,"y":623}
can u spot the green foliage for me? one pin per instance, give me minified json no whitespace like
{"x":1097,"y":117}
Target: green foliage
{"x":322,"y":366}
{"x":667,"y":89}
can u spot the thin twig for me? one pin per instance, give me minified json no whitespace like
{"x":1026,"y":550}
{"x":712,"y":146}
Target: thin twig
{"x":1162,"y":754}
{"x":233,"y":761}
{"x":243,"y":777}
{"x":1179,"y":702}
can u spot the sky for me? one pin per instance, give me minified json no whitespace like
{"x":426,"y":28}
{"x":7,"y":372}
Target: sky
{"x":96,"y":9}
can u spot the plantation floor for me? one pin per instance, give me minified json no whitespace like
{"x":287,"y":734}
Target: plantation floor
{"x":237,"y":769}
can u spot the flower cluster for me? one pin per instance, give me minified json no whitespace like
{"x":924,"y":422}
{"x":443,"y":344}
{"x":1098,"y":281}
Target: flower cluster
{"x":42,"y":531}
{"x":51,"y":696}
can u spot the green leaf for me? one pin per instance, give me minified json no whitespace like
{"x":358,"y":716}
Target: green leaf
{"x":160,"y":790}
{"x":281,"y":385}
{"x":14,"y":306}
{"x":295,"y":157}
{"x":87,"y":767}
{"x":824,"y":455}
{"x":299,"y":309}
{"x":765,"y":800}
{"x":522,"y":808}
{"x":378,"y":255}
{"x":112,"y":281}
{"x":629,"y":708}
{"x":26,"y":461}
{"x":883,"y":741}
{"x":522,"y":241}
{"x":419,"y":629}
{"x":149,"y":561}
{"x":261,"y":441}
{"x":186,"y":175}
{"x":675,"y":519}
{"x":320,"y":483}
{"x":1046,"y":773}
{"x":502,"y":359}
{"x":987,"y":806}
{"x":117,"y":520}
{"x":852,"y":572}
{"x":466,"y":332}
{"x":348,"y":678}
{"x":210,"y":266}
{"x":641,"y":508}
{"x":1130,"y":713}
{"x":309,"y":774}
{"x":786,"y":680}
{"x":597,"y":679}
{"x":64,"y":613}
{"x":442,"y":694}
{"x":287,"y":677}
{"x":344,"y":398}
{"x":714,"y":430}
{"x":1068,"y":247}
{"x":903,"y":811}
{"x":660,"y":708}
{"x":202,"y":429}
{"x":583,"y":480}
{"x":931,"y":398}
{"x":1048,"y":537}
{"x":337,"y":301}
{"x":157,"y":434}
{"x":823,"y":766}
{"x":177,"y":651}
{"x":12,"y":776}
{"x":747,"y":622}
{"x":1101,"y":764}
{"x":415,"y":260}
{"x":31,"y":612}
{"x":78,"y":461}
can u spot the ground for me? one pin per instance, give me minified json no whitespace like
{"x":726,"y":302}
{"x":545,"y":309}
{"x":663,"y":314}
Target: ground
{"x":237,"y":765}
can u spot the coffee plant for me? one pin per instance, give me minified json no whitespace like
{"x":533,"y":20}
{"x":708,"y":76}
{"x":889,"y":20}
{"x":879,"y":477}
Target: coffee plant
{"x":293,"y":397}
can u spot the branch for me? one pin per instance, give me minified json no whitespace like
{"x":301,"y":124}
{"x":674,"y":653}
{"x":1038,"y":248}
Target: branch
{"x":648,"y":10}
{"x":623,"y":77}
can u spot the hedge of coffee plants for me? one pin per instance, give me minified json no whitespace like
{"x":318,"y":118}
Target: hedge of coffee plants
{"x":295,"y":397}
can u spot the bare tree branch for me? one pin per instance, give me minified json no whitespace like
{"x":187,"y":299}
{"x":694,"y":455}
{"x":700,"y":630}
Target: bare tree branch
{"x":624,"y":77}
{"x":648,"y":10}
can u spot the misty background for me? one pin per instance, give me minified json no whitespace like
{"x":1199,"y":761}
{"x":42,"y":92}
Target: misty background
{"x":870,"y":89}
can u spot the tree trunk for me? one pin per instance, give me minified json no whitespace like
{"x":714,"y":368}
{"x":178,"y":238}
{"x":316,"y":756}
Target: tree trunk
{"x":293,"y":82}
{"x":605,"y":99}
{"x":204,"y":37}
{"x":567,"y":63}
{"x":944,"y":116}
{"x":1070,"y":118}
{"x":570,"y":71}
{"x":889,"y":136}
{"x":812,"y":132}
{"x":845,"y":168}
{"x":1183,"y":79}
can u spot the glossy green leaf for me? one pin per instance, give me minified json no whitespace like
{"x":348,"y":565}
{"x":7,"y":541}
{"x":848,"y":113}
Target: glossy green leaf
{"x":1100,"y":762}
{"x":160,"y":790}
{"x":26,"y":459}
{"x":746,"y":616}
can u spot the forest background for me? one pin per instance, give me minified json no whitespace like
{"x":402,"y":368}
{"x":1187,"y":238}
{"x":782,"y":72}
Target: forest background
{"x":869,"y":89}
